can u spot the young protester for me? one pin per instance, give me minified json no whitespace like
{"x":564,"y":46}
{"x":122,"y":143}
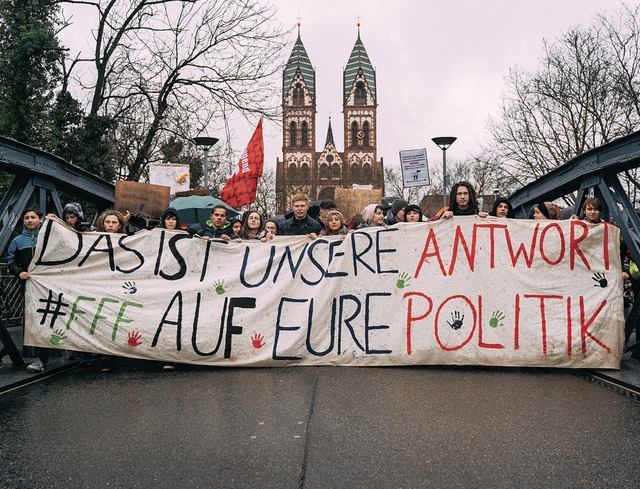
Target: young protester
{"x":251,"y":225}
{"x":540,"y":211}
{"x":170,"y":219}
{"x":372,"y":215}
{"x":397,"y":211}
{"x":325,"y":207}
{"x":72,"y":214}
{"x":300,"y":223}
{"x":412,"y":213}
{"x":19,"y":257}
{"x":592,"y":210}
{"x":236,"y":225}
{"x":217,"y":226}
{"x":110,"y":221}
{"x":270,"y":230}
{"x":335,"y":224}
{"x":463,"y":201}
{"x":502,"y":208}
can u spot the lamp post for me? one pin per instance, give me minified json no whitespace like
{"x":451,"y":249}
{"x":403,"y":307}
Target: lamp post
{"x":206,"y":143}
{"x":444,"y":142}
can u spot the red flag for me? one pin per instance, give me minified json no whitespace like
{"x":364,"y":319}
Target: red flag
{"x":240,"y":189}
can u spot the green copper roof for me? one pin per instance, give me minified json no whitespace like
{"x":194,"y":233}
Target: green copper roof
{"x":359,"y":60}
{"x":329,"y":135}
{"x":299,"y":60}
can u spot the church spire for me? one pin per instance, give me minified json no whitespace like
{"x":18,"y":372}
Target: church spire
{"x":329,"y":135}
{"x":299,"y":60}
{"x":359,"y":60}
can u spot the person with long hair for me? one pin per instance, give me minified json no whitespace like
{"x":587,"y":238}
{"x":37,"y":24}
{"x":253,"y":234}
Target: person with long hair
{"x":463,"y":201}
{"x":252,"y":225}
{"x":111,"y":221}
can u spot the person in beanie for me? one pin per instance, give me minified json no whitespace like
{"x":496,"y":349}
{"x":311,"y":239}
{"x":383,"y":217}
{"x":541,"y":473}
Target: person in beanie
{"x":335,"y":224}
{"x":72,"y":214}
{"x":502,"y":208}
{"x":397,"y":212}
{"x":540,"y":211}
{"x":412,"y":213}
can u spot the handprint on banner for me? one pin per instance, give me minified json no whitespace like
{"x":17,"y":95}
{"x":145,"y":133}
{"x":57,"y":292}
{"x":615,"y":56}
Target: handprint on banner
{"x":59,"y":335}
{"x":130,"y":287}
{"x":134,"y":339}
{"x":600,"y":280}
{"x":256,"y":340}
{"x":496,"y":319}
{"x":457,"y":319}
{"x":219,"y":285}
{"x":403,"y":280}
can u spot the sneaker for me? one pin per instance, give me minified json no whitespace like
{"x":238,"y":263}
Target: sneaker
{"x":36,"y":366}
{"x":168,"y":366}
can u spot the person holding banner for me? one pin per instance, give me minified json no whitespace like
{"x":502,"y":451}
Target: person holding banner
{"x":463,"y":201}
{"x":251,"y":225}
{"x":335,"y":224}
{"x":502,"y":208}
{"x":300,"y":223}
{"x":19,"y":257}
{"x":218,"y":227}
{"x":540,"y":211}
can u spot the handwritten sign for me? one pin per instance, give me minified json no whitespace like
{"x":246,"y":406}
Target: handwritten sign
{"x":141,"y":197}
{"x":352,"y":201}
{"x":464,"y":291}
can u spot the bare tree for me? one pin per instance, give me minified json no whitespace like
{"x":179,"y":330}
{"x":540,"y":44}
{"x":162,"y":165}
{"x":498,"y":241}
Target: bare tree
{"x":158,"y":63}
{"x":584,"y":95}
{"x":266,"y":194}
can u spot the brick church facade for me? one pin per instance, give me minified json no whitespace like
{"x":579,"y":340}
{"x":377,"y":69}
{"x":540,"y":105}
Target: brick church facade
{"x":319,"y":173}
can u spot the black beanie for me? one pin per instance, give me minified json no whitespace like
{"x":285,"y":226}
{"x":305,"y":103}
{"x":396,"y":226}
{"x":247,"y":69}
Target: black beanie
{"x":543,"y":209}
{"x":412,"y":207}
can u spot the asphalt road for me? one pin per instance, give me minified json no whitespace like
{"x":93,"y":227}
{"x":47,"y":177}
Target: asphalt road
{"x":318,"y":427}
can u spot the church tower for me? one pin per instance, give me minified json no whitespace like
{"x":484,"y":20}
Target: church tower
{"x":360,"y":119}
{"x":319,"y":173}
{"x":294,"y":173}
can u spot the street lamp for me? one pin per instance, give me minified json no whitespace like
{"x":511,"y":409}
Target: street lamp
{"x":206,"y":143}
{"x":444,"y":142}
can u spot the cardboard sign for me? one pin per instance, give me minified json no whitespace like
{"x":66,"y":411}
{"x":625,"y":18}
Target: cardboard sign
{"x":463,"y":291}
{"x":141,"y":197}
{"x":415,"y":171}
{"x":351,"y":201}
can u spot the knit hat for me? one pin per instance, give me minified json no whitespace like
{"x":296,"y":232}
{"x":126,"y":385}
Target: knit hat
{"x":335,"y":212}
{"x":73,"y":208}
{"x":414,"y":208}
{"x":368,"y":212}
{"x":543,"y":209}
{"x":398,"y":205}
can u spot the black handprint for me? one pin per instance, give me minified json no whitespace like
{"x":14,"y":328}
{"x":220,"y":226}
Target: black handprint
{"x":600,"y":280}
{"x":457,"y":319}
{"x":130,"y":287}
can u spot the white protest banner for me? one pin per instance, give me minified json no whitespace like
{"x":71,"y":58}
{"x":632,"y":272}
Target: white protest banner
{"x":415,"y":171}
{"x":463,"y":291}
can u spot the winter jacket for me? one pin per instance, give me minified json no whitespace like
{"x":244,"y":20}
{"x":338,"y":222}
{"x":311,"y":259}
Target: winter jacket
{"x":21,"y":251}
{"x":293,"y":226}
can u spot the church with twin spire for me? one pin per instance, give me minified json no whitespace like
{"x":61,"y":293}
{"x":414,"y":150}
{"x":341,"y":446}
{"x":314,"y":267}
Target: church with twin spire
{"x":318,"y":173}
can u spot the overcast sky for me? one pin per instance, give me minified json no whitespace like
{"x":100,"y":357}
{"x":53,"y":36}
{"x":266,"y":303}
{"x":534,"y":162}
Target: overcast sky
{"x":440,"y":64}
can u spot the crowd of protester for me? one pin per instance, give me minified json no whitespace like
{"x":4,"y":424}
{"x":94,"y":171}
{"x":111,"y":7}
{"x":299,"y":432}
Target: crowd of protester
{"x":252,"y":225}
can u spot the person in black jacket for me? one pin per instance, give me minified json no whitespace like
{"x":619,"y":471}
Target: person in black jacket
{"x":300,"y":223}
{"x":19,"y":257}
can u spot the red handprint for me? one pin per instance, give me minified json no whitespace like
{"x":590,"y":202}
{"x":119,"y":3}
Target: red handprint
{"x":256,"y":339}
{"x":134,"y":338}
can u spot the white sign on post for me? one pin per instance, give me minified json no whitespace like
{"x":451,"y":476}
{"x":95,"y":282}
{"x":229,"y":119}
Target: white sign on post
{"x":415,"y":171}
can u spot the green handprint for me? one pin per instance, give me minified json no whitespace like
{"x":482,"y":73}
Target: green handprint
{"x":219,"y":285}
{"x":403,"y":280}
{"x":58,"y":337}
{"x":496,"y":319}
